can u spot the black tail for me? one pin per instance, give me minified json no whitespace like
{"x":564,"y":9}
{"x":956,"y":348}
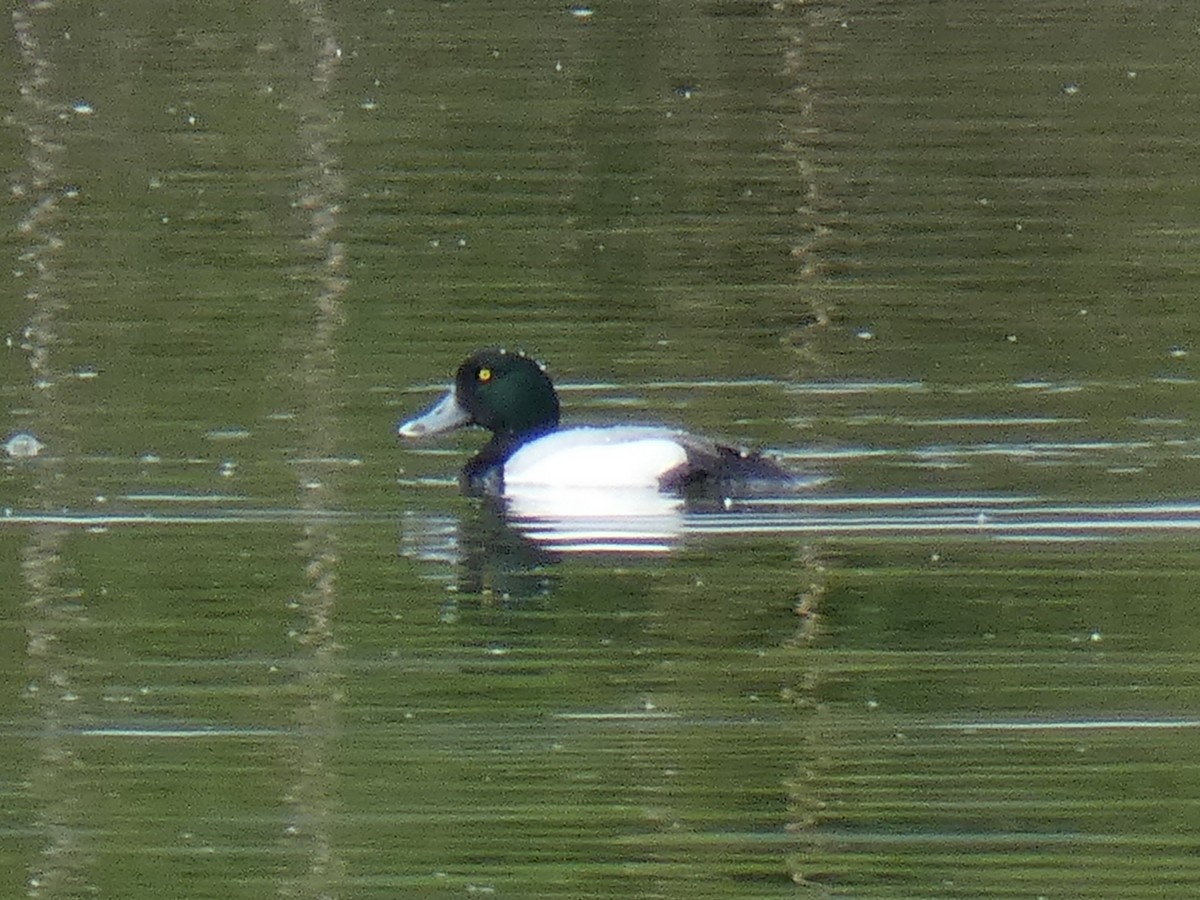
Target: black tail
{"x":722,"y":468}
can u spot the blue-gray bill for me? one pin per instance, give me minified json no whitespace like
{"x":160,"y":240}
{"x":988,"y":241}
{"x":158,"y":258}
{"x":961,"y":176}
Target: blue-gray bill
{"x":445,"y":415}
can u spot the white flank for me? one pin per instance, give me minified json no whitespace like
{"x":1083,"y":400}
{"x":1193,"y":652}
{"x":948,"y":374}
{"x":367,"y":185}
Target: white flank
{"x":597,"y":458}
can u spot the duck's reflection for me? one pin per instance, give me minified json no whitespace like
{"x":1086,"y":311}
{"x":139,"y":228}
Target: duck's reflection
{"x":497,"y":559}
{"x":507,"y":546}
{"x":596,"y":520}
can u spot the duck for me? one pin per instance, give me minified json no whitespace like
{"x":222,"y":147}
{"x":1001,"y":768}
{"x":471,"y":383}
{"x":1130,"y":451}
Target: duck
{"x":510,"y":394}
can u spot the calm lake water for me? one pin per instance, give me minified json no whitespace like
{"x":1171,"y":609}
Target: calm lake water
{"x":941,"y":257}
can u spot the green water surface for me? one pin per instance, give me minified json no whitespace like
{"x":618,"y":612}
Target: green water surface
{"x":251,"y":646}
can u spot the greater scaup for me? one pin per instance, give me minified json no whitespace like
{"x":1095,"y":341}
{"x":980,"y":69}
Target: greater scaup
{"x":510,"y":395}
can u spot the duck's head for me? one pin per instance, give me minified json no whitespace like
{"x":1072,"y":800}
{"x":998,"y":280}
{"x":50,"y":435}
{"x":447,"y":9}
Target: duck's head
{"x":504,"y":391}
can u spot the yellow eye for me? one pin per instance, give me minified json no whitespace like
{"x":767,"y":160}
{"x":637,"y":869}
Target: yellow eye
{"x":484,"y":375}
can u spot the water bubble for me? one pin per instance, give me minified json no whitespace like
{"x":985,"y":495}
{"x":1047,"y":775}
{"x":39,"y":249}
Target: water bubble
{"x":23,"y":445}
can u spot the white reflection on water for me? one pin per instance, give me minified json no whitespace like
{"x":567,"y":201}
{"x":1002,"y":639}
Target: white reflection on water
{"x":665,"y":525}
{"x":1014,"y":518}
{"x":512,"y":549}
{"x":667,"y":519}
{"x":598,"y":520}
{"x":1071,"y":725}
{"x":179,"y":731}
